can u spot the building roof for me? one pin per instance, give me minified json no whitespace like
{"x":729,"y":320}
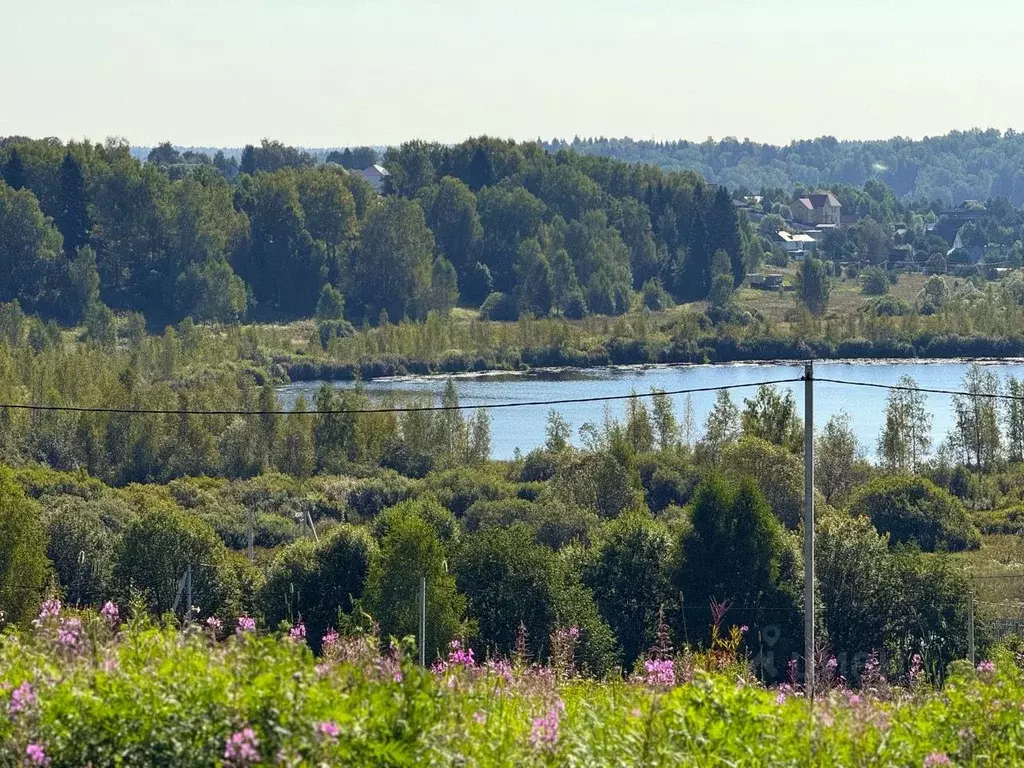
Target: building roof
{"x":787,"y":237}
{"x":820,"y":200}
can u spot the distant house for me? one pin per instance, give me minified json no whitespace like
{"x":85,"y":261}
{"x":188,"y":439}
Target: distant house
{"x":821,"y":208}
{"x":374,"y":175}
{"x":769,"y":282}
{"x":797,"y":244}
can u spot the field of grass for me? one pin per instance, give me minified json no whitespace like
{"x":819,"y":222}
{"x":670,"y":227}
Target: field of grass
{"x":84,"y":689}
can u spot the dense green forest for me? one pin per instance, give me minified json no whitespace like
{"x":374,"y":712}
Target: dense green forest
{"x":962,"y":165}
{"x":87,"y":228}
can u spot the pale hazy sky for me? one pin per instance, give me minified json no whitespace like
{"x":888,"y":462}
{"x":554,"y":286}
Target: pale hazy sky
{"x":344,"y":72}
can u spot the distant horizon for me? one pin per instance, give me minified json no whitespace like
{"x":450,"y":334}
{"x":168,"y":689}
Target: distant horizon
{"x":569,"y":140}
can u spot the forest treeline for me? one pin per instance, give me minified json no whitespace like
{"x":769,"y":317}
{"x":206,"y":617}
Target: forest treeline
{"x":962,"y":165}
{"x":87,"y":228}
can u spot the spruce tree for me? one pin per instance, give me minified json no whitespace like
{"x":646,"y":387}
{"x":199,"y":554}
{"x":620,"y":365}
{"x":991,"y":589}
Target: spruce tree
{"x":14,"y":171}
{"x":73,"y":215}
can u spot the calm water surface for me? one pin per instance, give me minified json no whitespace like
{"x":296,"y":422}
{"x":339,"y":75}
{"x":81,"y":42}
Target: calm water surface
{"x":523,"y":428}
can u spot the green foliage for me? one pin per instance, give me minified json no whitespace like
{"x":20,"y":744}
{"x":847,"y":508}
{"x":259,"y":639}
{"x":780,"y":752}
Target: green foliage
{"x":499,"y":306}
{"x":82,"y":537}
{"x":411,"y":550}
{"x":508,"y":579}
{"x":732,"y":523}
{"x":155,"y":552}
{"x":24,"y":567}
{"x":393,"y":263}
{"x":314,"y":582}
{"x":771,"y":416}
{"x":630,"y":580}
{"x":876,"y":281}
{"x":331,"y":304}
{"x":814,"y":285}
{"x":913,"y":509}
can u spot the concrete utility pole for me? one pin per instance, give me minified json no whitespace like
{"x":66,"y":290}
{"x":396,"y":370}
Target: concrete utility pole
{"x":809,"y":529}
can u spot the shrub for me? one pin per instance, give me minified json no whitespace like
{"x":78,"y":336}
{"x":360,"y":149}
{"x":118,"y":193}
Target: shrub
{"x":914,"y":509}
{"x":499,"y":306}
{"x":81,"y":549}
{"x":876,"y":281}
{"x":314,"y":582}
{"x":158,"y":548}
{"x":655,"y":296}
{"x":370,"y":497}
{"x":23,"y":564}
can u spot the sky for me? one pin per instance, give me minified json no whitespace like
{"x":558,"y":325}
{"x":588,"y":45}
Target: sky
{"x":321,"y":73}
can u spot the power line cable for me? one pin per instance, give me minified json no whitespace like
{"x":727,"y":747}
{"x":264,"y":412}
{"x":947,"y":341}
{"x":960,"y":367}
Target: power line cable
{"x":927,"y":390}
{"x":394,"y":409}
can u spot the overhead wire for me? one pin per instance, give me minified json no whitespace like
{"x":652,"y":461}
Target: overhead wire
{"x":39,"y":407}
{"x":392,"y":409}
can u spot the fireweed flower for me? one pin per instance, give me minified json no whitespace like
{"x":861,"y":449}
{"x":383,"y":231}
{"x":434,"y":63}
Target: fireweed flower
{"x":544,"y":730}
{"x":329,"y":639}
{"x":986,"y":667}
{"x":459,"y":656}
{"x":50,"y":609}
{"x":215,"y":624}
{"x":328,"y":728}
{"x":22,"y":697}
{"x":245,"y":624}
{"x":110,"y":612}
{"x":68,"y":635}
{"x":936,"y":758}
{"x":480,"y":717}
{"x":298,"y":632}
{"x":242,"y":748}
{"x":36,"y":754}
{"x":660,"y":672}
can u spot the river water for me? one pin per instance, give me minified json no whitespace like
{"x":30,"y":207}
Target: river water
{"x":523,"y":428}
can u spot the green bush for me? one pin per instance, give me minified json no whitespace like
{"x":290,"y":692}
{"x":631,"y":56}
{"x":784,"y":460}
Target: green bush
{"x":876,"y":281}
{"x":156,"y":550}
{"x":314,"y":582}
{"x":913,"y":509}
{"x":23,"y":565}
{"x":499,"y":306}
{"x":372,"y":496}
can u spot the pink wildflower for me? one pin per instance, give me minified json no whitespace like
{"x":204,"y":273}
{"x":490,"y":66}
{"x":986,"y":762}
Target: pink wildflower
{"x":832,"y":664}
{"x":636,"y":712}
{"x":215,"y":624}
{"x":660,"y":672}
{"x":781,"y":698}
{"x":329,"y":639}
{"x":242,"y":748}
{"x":480,"y":717}
{"x":936,"y":758}
{"x":22,"y":697}
{"x":544,"y":731}
{"x":298,"y":632}
{"x":744,"y":629}
{"x":245,"y":624}
{"x":459,"y":656}
{"x":329,"y":729}
{"x":110,"y":612}
{"x":986,"y":667}
{"x":50,"y":609}
{"x":68,"y":633}
{"x":36,"y":754}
